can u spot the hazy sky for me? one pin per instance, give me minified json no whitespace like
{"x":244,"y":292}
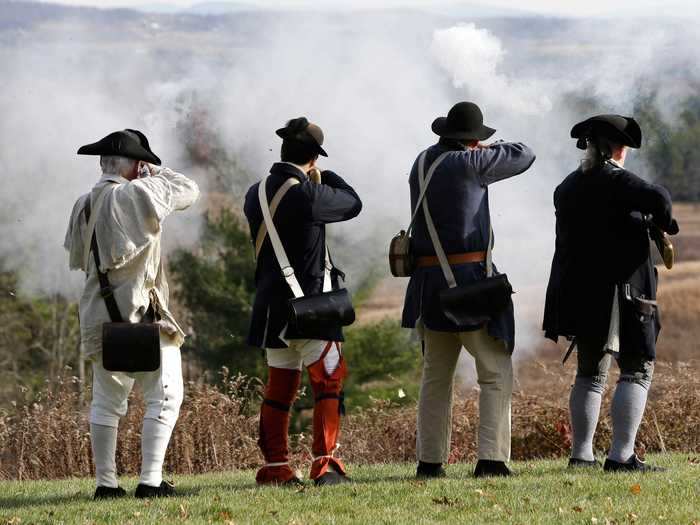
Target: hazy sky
{"x":682,"y":8}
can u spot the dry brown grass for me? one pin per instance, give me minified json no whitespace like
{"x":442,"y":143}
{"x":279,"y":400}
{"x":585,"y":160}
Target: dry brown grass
{"x":217,"y":429}
{"x":540,"y":421}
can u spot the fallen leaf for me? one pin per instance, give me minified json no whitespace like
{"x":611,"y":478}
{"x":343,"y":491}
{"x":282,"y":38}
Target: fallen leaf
{"x":14,"y":520}
{"x":137,"y":514}
{"x":594,"y":520}
{"x":224,"y":515}
{"x":636,"y":489}
{"x":577,"y":509}
{"x":632,"y":517}
{"x":183,"y":512}
{"x":479,"y":492}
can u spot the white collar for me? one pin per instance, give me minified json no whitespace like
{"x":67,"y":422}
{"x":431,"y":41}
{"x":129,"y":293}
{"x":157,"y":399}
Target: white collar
{"x":112,"y":177}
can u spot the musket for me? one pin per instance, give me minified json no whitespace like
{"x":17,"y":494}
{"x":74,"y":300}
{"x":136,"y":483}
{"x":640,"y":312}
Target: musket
{"x":663,"y":244}
{"x":570,"y":351}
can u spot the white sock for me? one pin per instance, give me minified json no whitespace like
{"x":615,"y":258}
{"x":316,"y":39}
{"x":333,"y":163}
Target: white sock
{"x":584,"y":407}
{"x":104,"y":449}
{"x":155,"y":437}
{"x":627,"y":411}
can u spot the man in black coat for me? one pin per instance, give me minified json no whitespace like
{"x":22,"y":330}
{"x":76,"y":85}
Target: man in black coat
{"x":602,"y":287}
{"x":310,"y":199}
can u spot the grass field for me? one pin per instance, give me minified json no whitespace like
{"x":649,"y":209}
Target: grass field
{"x":543,"y":492}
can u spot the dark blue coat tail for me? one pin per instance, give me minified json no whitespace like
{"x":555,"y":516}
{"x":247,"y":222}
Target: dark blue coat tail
{"x":603,"y":241}
{"x":300,"y":220}
{"x":458,"y":201}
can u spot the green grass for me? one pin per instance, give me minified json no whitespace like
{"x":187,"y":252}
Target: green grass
{"x":543,"y":492}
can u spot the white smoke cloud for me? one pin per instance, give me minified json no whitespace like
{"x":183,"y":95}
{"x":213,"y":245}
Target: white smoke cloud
{"x":374,"y":82}
{"x":473,"y":57}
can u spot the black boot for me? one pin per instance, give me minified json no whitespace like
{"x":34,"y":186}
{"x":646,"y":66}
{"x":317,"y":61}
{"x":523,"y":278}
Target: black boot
{"x":487,"y":467}
{"x":430,"y":470}
{"x":165,"y":490}
{"x":634,"y":465}
{"x":331,"y":478}
{"x":293,"y":482}
{"x":575,"y":463}
{"x":109,"y":493}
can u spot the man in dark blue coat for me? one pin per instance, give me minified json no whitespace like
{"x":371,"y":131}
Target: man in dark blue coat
{"x":458,"y":202}
{"x":312,"y":200}
{"x":602,"y":287}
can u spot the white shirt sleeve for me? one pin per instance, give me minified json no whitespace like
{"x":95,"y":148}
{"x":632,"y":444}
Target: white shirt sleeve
{"x":168,"y":191}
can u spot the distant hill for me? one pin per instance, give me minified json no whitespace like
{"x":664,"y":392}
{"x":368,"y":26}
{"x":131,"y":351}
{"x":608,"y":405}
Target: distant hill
{"x":202,"y":8}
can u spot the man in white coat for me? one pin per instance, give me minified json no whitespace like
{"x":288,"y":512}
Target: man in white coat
{"x":128,"y":205}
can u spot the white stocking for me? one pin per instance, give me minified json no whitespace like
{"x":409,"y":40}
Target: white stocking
{"x":104,"y":449}
{"x":154,"y":443}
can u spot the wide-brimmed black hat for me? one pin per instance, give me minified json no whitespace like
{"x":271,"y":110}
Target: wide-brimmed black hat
{"x":301,"y":130}
{"x":129,"y":143}
{"x":464,"y":122}
{"x":616,"y":128}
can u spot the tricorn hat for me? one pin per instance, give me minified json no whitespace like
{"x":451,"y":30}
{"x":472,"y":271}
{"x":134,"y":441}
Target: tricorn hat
{"x":464,"y":122}
{"x":301,"y":130}
{"x":129,"y":143}
{"x":621,"y":130}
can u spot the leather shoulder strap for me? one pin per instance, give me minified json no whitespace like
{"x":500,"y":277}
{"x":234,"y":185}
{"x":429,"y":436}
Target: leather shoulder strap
{"x":424,"y":187}
{"x":263,"y":231}
{"x":281,"y":192}
{"x":287,"y":270}
{"x":437,"y":246}
{"x":105,"y":287}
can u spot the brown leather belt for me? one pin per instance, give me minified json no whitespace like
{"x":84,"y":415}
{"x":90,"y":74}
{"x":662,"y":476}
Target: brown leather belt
{"x":455,"y":258}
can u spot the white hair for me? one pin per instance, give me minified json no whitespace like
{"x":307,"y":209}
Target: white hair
{"x":114,"y":165}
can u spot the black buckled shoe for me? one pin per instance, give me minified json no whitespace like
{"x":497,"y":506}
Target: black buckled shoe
{"x":331,"y":478}
{"x":430,"y":470}
{"x":293,"y":482}
{"x":634,"y":465}
{"x":164,"y":490}
{"x":109,"y":493}
{"x":487,"y":468}
{"x":575,"y":463}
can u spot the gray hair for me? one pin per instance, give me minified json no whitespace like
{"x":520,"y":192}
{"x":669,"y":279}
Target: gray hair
{"x":114,"y":165}
{"x":598,"y":151}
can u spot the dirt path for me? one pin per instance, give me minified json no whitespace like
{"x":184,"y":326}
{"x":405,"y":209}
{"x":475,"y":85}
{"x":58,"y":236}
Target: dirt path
{"x":385,"y":302}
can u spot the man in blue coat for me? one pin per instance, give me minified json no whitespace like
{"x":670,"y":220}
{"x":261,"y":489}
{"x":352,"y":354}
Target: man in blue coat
{"x":458,"y":202}
{"x":300,"y":218}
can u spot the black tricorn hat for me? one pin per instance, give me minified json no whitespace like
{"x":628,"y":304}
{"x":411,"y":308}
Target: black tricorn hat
{"x":464,"y":122}
{"x":301,"y":130}
{"x":129,"y":143}
{"x":621,"y":130}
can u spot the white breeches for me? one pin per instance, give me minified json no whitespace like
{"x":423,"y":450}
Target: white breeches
{"x":304,"y":352}
{"x":162,"y":389}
